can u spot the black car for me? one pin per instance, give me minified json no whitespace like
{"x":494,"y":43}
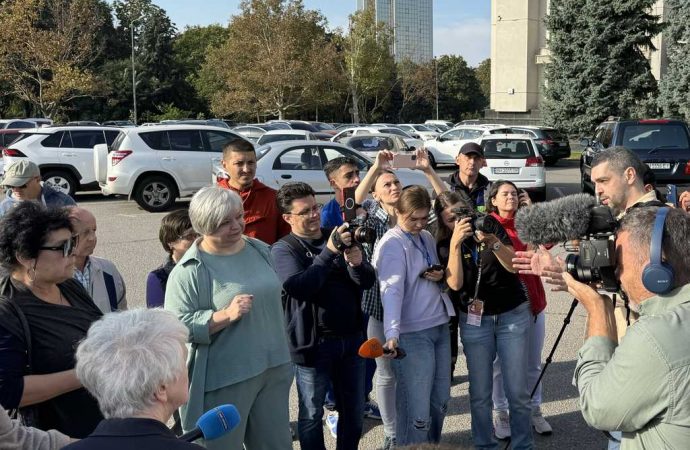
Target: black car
{"x":551,"y":143}
{"x":663,"y":144}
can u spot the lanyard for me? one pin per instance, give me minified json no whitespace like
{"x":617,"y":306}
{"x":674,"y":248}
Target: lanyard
{"x":424,"y":251}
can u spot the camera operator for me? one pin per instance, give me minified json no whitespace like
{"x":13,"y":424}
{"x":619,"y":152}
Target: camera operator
{"x":323,"y":277}
{"x":640,"y":385}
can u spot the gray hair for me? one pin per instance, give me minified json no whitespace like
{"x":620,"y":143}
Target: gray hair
{"x":126,"y":356}
{"x":619,"y":159}
{"x":210,"y":206}
{"x":675,"y":250}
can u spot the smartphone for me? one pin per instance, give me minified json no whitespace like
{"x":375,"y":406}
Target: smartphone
{"x":404,"y":161}
{"x":672,"y":194}
{"x":433,"y":267}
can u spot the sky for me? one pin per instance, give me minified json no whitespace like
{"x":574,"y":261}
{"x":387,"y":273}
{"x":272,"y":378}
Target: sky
{"x":461,"y":27}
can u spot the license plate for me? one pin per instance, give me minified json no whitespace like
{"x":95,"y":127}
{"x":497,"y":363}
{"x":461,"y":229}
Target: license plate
{"x":509,"y":170}
{"x":658,"y":166}
{"x":563,"y":144}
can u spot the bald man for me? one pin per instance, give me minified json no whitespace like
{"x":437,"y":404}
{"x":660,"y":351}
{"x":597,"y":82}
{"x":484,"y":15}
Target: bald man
{"x":99,"y":276}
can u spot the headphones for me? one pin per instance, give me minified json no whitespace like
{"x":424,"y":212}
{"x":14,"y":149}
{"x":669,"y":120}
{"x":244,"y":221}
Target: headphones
{"x":657,"y":276}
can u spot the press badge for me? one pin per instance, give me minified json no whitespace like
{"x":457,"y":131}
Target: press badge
{"x":474,"y":313}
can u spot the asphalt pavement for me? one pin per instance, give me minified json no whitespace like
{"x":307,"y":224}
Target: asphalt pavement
{"x":128,"y":236}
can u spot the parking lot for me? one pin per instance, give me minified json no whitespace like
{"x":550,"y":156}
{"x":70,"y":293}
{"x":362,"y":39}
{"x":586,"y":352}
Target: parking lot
{"x":129,"y":237}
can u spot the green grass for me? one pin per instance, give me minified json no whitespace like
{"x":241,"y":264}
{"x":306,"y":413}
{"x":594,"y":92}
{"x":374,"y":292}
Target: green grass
{"x":575,"y":154}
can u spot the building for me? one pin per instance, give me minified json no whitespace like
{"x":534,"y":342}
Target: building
{"x":412,"y":24}
{"x":519,"y":52}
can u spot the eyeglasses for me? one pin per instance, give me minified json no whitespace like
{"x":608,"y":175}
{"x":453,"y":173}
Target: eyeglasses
{"x":314,"y":210}
{"x":66,"y":247}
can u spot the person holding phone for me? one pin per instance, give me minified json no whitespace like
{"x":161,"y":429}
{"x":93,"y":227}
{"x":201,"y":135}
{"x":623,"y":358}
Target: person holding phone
{"x":415,"y":317}
{"x":495,"y":316}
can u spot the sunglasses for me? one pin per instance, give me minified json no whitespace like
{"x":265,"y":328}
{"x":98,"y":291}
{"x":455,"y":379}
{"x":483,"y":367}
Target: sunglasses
{"x":66,"y":247}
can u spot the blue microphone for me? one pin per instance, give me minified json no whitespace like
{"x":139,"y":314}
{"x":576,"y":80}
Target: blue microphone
{"x":213,"y":424}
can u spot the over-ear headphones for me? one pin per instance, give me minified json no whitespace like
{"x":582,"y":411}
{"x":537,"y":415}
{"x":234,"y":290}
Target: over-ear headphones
{"x":657,"y":276}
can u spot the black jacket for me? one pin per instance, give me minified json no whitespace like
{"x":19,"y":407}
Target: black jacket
{"x":132,"y":434}
{"x":478,"y":195}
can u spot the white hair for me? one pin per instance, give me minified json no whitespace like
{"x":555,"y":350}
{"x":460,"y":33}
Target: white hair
{"x":126,"y":356}
{"x":210,"y":206}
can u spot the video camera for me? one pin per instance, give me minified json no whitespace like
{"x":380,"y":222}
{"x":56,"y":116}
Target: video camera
{"x":361,"y":234}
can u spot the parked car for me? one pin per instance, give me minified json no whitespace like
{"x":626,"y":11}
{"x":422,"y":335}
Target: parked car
{"x":118,"y":123}
{"x":552,"y":144}
{"x":371,"y":144}
{"x":253,"y":131}
{"x":514,"y":157}
{"x":444,"y":123}
{"x":353,"y":131}
{"x":7,"y":136}
{"x":324,"y":127}
{"x":156,"y":165}
{"x":17,"y":124}
{"x":419,"y":131}
{"x":444,"y":148}
{"x":292,"y":135}
{"x":282,"y":162}
{"x":209,"y":122}
{"x":663,"y":144}
{"x":83,"y":123}
{"x":63,"y":154}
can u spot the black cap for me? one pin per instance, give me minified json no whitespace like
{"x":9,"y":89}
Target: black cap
{"x":471,"y":147}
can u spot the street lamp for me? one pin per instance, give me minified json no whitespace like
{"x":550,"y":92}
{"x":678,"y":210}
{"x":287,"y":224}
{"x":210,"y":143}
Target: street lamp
{"x":436,"y":67}
{"x":134,"y":73}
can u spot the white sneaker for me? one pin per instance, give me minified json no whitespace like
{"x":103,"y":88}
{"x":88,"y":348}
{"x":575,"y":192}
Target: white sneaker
{"x":332,"y":423}
{"x":501,"y":424}
{"x":540,"y":424}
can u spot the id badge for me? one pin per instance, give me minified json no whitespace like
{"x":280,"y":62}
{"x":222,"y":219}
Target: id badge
{"x":474,"y":313}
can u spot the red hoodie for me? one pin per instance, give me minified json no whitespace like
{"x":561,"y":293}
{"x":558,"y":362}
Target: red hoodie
{"x":262,"y":219}
{"x":535,"y":289}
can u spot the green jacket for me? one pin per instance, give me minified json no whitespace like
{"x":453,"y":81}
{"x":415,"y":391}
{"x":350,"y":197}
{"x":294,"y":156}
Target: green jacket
{"x":642,"y":386}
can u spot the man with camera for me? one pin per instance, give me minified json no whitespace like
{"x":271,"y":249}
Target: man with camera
{"x":641,"y":384}
{"x":323,"y":277}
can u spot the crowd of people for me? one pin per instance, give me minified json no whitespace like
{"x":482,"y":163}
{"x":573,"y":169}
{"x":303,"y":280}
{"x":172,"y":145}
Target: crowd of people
{"x":263,"y":287}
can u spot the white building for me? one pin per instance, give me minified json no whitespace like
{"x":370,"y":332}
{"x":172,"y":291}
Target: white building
{"x":412,"y":24}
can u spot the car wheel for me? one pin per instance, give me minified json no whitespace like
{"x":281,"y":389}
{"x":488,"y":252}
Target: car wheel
{"x":60,"y":181}
{"x":432,"y":160}
{"x":155,"y":194}
{"x":550,"y":161}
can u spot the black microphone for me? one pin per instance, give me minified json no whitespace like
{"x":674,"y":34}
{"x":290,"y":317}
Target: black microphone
{"x":559,"y":220}
{"x":213,"y":424}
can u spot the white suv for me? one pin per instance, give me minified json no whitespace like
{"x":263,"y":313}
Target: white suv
{"x":158,"y":164}
{"x":63,"y":154}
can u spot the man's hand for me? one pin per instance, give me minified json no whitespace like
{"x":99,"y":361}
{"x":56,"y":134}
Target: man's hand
{"x":601,"y":321}
{"x":586,"y":294}
{"x":345,"y":238}
{"x":353,"y":256}
{"x":540,"y":262}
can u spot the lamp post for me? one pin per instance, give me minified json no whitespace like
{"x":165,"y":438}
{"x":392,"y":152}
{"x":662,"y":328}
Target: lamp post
{"x":436,"y":68}
{"x":134,"y":73}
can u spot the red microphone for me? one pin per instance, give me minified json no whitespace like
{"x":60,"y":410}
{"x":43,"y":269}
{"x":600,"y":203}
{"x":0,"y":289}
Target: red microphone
{"x":372,"y":348}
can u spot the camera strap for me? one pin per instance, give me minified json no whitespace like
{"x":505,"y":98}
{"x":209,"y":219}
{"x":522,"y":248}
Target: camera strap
{"x":424,"y":251}
{"x":479,"y":279}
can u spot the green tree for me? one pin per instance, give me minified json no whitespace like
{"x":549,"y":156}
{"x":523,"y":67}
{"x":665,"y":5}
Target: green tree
{"x":460,"y":94}
{"x":417,"y":84}
{"x":674,"y":88}
{"x":276,"y":60}
{"x":483,"y":74}
{"x":47,"y":48}
{"x":598,"y":67}
{"x":369,"y":66}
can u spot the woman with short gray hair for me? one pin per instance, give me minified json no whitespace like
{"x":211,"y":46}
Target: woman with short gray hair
{"x":133,"y":363}
{"x":226,"y":291}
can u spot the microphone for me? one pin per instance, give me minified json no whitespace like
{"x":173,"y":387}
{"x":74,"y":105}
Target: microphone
{"x":564,"y":219}
{"x":213,"y":424}
{"x":372,"y":349}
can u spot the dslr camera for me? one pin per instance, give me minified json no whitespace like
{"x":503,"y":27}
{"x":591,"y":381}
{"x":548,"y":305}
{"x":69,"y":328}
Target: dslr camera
{"x":361,"y":234}
{"x":595,"y":261}
{"x":480,"y":221}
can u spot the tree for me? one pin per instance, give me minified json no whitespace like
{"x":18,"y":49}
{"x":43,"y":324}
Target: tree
{"x":674,"y":95}
{"x":460,"y":93}
{"x":483,"y":74}
{"x":417,"y":84}
{"x":46,"y":50}
{"x":277,"y":59}
{"x":598,"y":67}
{"x":369,"y":66}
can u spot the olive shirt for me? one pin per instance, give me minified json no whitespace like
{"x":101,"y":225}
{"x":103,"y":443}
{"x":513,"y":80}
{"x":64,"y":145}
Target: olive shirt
{"x":642,"y":386}
{"x":245,"y":348}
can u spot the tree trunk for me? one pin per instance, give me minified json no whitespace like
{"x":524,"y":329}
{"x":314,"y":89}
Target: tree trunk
{"x":355,"y":105}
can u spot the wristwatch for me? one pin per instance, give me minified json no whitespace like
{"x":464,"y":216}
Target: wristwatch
{"x":495,"y":246}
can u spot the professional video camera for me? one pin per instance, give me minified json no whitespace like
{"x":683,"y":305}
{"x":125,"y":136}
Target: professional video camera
{"x":480,"y":221}
{"x":361,"y":234}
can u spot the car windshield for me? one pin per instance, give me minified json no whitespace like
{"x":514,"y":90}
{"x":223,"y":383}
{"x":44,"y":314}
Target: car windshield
{"x":371,"y":143}
{"x":654,"y":136}
{"x":323,"y":126}
{"x":507,"y":148}
{"x":396,"y":131}
{"x":421,"y":128}
{"x":268,"y":138}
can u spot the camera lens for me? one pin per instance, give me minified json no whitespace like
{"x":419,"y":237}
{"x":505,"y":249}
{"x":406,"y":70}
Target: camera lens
{"x":573,"y":265}
{"x":364,"y":235}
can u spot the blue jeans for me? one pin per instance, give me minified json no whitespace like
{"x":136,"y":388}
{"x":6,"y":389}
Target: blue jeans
{"x":423,"y":385}
{"x":337,"y":361}
{"x":506,"y":335}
